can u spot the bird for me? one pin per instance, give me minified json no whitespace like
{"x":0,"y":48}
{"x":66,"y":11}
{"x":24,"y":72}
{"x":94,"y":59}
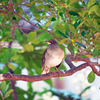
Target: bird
{"x":52,"y":56}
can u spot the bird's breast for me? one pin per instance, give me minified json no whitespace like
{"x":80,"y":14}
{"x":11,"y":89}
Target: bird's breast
{"x":54,"y":57}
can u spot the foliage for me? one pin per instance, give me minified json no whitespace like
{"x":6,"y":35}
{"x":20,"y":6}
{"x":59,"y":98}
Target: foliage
{"x":5,"y":92}
{"x":72,"y":22}
{"x":91,"y":77}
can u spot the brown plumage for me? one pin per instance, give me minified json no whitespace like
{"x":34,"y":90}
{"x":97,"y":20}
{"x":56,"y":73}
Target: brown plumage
{"x":52,"y":56}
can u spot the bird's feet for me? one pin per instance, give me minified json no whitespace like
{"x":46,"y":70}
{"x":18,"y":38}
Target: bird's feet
{"x":57,"y":70}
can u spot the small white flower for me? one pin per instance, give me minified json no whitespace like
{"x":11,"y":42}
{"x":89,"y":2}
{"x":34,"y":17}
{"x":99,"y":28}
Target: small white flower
{"x":47,"y":96}
{"x":54,"y":98}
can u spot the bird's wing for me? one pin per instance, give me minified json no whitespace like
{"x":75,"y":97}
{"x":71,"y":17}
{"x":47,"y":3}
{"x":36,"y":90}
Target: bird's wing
{"x":58,"y":66}
{"x":60,"y":63}
{"x":43,"y":59}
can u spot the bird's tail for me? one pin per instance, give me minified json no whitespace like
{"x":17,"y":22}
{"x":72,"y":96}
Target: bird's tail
{"x":46,"y":70}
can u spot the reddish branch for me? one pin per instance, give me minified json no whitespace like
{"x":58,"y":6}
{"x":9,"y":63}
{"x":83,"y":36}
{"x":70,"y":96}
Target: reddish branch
{"x":9,"y":76}
{"x":67,"y":13}
{"x":88,"y":61}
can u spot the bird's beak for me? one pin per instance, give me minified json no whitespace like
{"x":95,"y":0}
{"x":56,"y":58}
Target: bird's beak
{"x":47,"y":42}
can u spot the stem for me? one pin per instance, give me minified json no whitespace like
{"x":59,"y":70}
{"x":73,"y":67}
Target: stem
{"x":14,"y":95}
{"x":1,"y":94}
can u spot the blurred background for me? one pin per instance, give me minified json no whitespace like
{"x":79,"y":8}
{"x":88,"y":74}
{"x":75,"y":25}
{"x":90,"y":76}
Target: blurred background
{"x":26,"y":24}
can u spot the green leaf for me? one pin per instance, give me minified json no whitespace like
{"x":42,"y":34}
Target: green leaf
{"x":13,"y":52}
{"x":14,"y":1}
{"x":29,"y":3}
{"x":90,"y":3}
{"x":39,"y":25}
{"x":18,"y":35}
{"x":48,"y":23}
{"x":83,"y":56}
{"x":41,"y":6}
{"x":95,"y":9}
{"x":53,"y":19}
{"x":5,"y":69}
{"x":4,"y":60}
{"x":7,"y":86}
{"x":73,"y":13}
{"x":1,"y":18}
{"x":62,"y":34}
{"x":61,"y":28}
{"x":61,"y":14}
{"x":19,"y":1}
{"x":14,"y":57}
{"x":19,"y":9}
{"x":1,"y":55}
{"x":80,"y":24}
{"x":38,"y":1}
{"x":83,"y":33}
{"x":17,"y":70}
{"x":95,"y":51}
{"x":67,"y":28}
{"x":76,"y":24}
{"x":28,"y":47}
{"x":91,"y":77}
{"x":43,"y":36}
{"x":6,"y":53}
{"x":26,"y":16}
{"x":81,"y":45}
{"x":5,"y":38}
{"x":14,"y":18}
{"x":36,"y":15}
{"x":4,"y":2}
{"x":35,"y":41}
{"x":47,"y":7}
{"x":63,"y":40}
{"x":29,"y":85}
{"x":75,"y":50}
{"x":31,"y":35}
{"x":6,"y":56}
{"x":54,"y":24}
{"x":11,"y":66}
{"x":72,"y":29}
{"x":95,"y":23}
{"x":8,"y":93}
{"x":3,"y":86}
{"x":85,"y":90}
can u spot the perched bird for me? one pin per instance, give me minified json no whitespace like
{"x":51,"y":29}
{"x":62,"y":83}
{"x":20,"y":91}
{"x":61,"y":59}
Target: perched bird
{"x":52,"y":56}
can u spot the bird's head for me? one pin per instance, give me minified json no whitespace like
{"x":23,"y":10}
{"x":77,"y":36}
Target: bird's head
{"x":51,"y":42}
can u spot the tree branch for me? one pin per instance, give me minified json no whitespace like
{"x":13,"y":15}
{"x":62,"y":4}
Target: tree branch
{"x":14,"y":94}
{"x":9,"y":76}
{"x":69,"y":63}
{"x":79,"y":59}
